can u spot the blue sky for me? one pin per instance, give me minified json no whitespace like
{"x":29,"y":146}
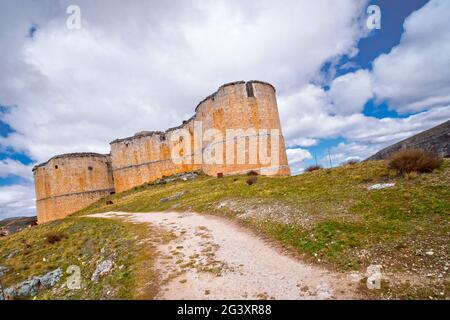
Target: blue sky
{"x":376,"y":43}
{"x":342,"y":89}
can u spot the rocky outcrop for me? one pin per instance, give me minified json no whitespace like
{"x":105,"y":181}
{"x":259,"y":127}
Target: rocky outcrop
{"x":102,"y":269}
{"x":436,"y":140}
{"x":32,"y":286}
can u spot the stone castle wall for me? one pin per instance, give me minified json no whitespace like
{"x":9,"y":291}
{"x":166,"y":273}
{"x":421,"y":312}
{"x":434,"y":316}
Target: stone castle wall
{"x":70,"y":182}
{"x":148,"y":156}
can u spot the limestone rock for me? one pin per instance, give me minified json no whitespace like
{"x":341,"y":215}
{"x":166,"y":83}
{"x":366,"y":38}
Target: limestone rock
{"x":379,"y":186}
{"x":177,"y":195}
{"x":3,"y":270}
{"x":32,"y":286}
{"x":102,"y":269}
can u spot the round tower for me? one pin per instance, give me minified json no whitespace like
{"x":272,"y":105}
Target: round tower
{"x":246,"y":113}
{"x":67,"y":183}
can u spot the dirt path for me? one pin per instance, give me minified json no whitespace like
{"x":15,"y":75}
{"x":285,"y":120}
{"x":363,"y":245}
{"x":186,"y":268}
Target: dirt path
{"x":213,"y":258}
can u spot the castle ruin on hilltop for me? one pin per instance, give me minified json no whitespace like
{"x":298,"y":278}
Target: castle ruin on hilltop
{"x":67,"y":183}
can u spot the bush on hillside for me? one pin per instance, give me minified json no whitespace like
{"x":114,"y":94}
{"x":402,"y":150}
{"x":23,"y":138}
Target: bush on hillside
{"x":313,"y":168}
{"x":414,"y":160}
{"x":252,"y":180}
{"x":53,"y":237}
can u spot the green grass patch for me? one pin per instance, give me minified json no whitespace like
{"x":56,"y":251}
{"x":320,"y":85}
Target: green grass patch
{"x":83,"y":242}
{"x":349,"y":226}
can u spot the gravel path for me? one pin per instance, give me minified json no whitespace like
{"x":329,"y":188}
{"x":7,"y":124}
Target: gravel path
{"x":214,"y":258}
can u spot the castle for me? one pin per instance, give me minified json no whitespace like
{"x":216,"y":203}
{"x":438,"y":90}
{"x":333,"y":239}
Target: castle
{"x":67,"y":183}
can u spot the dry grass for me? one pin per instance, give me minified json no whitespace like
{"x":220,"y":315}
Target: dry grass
{"x":414,"y":160}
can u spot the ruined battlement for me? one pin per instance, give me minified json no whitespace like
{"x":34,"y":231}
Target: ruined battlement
{"x":149,"y":155}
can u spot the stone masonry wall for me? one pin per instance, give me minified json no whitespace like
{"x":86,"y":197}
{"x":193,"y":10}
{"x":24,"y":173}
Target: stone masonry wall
{"x":70,"y":182}
{"x":147,"y":155}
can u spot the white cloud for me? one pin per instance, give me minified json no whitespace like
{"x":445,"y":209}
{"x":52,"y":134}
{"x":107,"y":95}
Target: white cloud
{"x":350,"y":92}
{"x":10,"y":167}
{"x":146,"y":66}
{"x":308,"y":113}
{"x":296,"y":157}
{"x":414,"y":75}
{"x":302,"y":142}
{"x":350,"y":151}
{"x":16,"y":200}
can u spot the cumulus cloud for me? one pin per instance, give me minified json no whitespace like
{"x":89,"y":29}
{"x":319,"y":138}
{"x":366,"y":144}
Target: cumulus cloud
{"x":16,"y":200}
{"x":309,"y":113}
{"x":302,"y":142}
{"x":10,"y":167}
{"x":296,"y":157}
{"x":350,"y":92}
{"x":145,"y":66}
{"x":413,"y":76}
{"x":351,"y":151}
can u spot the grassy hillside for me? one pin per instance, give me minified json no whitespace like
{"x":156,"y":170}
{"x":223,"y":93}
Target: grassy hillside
{"x":84,"y":242}
{"x":330,"y":217}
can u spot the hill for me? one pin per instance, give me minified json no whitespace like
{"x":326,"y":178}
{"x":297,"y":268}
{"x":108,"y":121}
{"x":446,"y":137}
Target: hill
{"x":12,"y":225}
{"x":436,"y":140}
{"x":328,"y":217}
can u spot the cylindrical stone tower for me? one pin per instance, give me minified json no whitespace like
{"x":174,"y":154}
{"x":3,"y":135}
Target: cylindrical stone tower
{"x":67,"y":183}
{"x":246,"y":113}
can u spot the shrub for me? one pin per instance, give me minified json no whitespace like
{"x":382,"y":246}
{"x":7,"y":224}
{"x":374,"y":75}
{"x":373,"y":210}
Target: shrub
{"x":313,"y":168}
{"x":414,"y":160}
{"x":252,"y":173}
{"x":350,"y":162}
{"x":109,"y":202}
{"x":53,"y":237}
{"x":252,"y":180}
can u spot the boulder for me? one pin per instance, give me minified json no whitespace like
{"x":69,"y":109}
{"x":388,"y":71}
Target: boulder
{"x":103,"y":268}
{"x":3,"y":270}
{"x":32,"y":286}
{"x":177,"y":195}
